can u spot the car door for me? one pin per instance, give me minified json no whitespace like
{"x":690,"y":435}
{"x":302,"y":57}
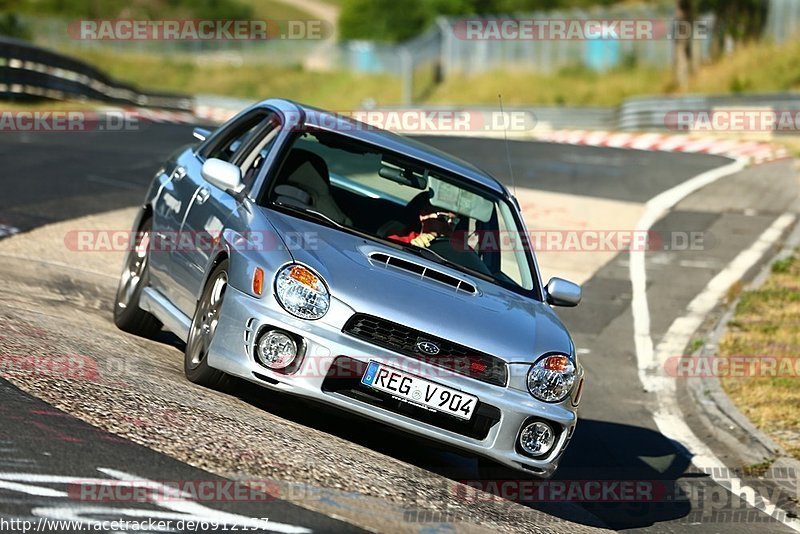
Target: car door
{"x":169,"y":210}
{"x":212,"y":209}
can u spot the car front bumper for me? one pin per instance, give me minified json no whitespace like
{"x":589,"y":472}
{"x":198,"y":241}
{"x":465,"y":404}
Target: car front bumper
{"x":323,"y":341}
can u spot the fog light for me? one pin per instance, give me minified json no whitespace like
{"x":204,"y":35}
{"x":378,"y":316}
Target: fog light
{"x":537,"y":438}
{"x":276,"y":349}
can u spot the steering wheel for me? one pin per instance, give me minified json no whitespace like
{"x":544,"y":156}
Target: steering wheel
{"x":443,"y":246}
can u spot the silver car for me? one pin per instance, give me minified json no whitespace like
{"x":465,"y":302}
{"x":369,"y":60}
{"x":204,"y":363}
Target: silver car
{"x":321,"y":257}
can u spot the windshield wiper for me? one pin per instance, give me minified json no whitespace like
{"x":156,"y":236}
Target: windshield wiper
{"x":319,"y":216}
{"x":314,"y":213}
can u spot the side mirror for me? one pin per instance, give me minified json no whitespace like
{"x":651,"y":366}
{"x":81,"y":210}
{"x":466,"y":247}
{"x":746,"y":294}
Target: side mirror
{"x":201,"y":134}
{"x":560,"y":292}
{"x":222,"y":174}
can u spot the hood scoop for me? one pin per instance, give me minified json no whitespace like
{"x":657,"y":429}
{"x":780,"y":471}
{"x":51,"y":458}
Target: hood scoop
{"x":381,"y":259}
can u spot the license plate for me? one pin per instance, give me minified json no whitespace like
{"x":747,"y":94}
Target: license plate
{"x":416,"y":390}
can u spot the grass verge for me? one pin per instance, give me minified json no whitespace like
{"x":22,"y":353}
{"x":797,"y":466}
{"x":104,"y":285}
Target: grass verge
{"x":574,"y":86}
{"x":276,"y":10}
{"x":333,"y":90}
{"x":761,"y":67}
{"x":765,"y":324}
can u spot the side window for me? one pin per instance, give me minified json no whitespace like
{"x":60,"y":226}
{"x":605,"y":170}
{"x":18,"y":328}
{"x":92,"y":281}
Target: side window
{"x":512,"y":252}
{"x":259,"y":147}
{"x":236,"y":136}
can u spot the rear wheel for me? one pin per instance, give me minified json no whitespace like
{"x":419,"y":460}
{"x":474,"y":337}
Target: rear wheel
{"x":128,"y":316}
{"x":204,"y":326}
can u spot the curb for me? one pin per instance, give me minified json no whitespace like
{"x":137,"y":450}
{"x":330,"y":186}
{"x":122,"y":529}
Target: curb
{"x":754,"y":151}
{"x":214,"y":114}
{"x":718,"y":415}
{"x":161,"y":116}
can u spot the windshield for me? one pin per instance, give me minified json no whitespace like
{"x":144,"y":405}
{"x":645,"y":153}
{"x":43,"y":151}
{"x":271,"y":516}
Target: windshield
{"x":362,"y":188}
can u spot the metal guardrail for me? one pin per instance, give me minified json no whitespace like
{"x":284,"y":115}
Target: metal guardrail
{"x":574,"y":118}
{"x":650,"y":113}
{"x":28,"y":72}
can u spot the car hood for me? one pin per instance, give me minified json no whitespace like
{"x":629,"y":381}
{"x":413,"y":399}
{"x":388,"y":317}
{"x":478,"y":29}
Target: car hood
{"x":496,"y":321}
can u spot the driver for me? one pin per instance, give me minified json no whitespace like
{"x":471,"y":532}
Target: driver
{"x":433,"y":223}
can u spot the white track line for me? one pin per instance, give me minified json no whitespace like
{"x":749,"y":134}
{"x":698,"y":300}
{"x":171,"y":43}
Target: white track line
{"x":32,"y":490}
{"x":668,"y":416}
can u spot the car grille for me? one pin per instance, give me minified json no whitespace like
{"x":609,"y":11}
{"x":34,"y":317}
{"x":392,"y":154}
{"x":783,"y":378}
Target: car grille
{"x":344,"y":378}
{"x":404,"y":340}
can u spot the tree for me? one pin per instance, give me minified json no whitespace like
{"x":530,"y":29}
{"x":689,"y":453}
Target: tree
{"x":398,"y":20}
{"x":685,"y":17}
{"x":383,"y":20}
{"x":735,"y":21}
{"x":10,"y":26}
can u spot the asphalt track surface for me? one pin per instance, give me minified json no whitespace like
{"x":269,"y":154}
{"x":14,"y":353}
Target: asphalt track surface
{"x":51,"y":177}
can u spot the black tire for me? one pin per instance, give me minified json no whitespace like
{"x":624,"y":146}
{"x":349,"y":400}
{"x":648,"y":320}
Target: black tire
{"x":128,"y":316}
{"x":202,"y":330}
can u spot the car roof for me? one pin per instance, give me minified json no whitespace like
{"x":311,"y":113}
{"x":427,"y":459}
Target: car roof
{"x":405,"y":146}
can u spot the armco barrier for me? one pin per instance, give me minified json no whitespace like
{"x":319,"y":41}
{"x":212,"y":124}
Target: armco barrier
{"x":28,"y":71}
{"x":649,"y":113}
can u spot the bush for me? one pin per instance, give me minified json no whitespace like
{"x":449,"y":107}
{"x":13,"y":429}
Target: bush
{"x":783,"y":266}
{"x":383,"y":20}
{"x":398,"y":20}
{"x":152,"y":9}
{"x":10,"y":26}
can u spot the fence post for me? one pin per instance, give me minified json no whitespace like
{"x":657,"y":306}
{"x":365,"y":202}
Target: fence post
{"x":446,"y":47}
{"x":407,"y":73}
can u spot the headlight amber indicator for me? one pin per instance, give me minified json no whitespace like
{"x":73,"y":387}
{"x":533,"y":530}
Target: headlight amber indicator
{"x":558,"y":363}
{"x":304,"y":276}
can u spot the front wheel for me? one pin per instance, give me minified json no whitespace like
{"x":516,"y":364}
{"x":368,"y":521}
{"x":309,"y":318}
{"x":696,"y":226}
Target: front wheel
{"x":204,"y":326}
{"x":128,"y":316}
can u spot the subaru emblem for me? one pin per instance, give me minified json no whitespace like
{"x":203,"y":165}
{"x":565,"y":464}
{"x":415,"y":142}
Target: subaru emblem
{"x":427,"y":347}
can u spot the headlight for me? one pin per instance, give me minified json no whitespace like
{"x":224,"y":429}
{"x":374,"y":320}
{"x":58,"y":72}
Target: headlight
{"x":301,"y":292}
{"x":551,"y":378}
